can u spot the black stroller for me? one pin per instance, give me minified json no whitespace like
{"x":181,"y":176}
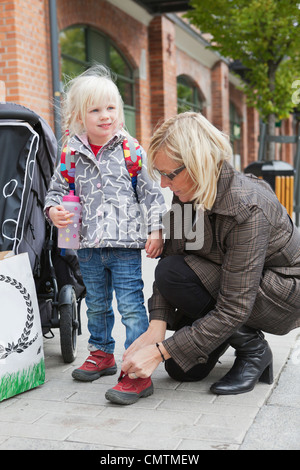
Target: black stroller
{"x":28,"y":150}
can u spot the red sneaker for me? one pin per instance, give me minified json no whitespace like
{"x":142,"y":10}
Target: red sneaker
{"x":97,"y":364}
{"x":128,"y":391}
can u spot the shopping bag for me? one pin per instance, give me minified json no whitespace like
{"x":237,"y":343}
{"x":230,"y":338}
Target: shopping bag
{"x":22,"y":365}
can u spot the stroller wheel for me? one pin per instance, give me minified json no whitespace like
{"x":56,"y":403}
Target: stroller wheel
{"x":68,"y":324}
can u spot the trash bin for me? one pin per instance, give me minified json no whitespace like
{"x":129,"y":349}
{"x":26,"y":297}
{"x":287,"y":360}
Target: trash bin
{"x":280,"y":176}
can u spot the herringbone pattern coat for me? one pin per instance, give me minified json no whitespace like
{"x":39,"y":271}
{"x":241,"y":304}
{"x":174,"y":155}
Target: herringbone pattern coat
{"x":250,"y":263}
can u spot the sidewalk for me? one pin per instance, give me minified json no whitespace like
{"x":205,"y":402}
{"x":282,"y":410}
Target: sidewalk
{"x":277,"y":425}
{"x":64,"y":414}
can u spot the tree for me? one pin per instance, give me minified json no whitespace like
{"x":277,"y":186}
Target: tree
{"x":264,"y":36}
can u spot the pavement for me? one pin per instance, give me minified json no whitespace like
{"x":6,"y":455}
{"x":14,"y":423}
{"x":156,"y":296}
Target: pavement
{"x":64,"y":414}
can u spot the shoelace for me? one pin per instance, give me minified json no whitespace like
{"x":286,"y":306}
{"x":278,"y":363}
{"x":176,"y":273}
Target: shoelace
{"x":121,"y":376}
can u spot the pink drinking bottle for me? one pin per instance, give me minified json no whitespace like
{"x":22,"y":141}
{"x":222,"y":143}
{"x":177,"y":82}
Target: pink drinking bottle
{"x":68,"y":237}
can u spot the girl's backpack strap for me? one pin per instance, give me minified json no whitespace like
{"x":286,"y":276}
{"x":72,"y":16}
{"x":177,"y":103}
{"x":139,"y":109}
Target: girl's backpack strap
{"x":133,"y":156}
{"x":133,"y":159}
{"x":67,"y":165}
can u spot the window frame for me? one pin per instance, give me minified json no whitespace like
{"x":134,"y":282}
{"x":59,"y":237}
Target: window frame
{"x":129,"y":109}
{"x":197,"y":105}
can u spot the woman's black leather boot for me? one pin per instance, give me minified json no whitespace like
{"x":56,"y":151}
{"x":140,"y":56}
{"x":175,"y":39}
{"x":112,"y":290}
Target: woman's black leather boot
{"x":253,"y":363}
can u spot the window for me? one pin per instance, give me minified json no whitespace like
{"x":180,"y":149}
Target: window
{"x":188,"y":96}
{"x":82,"y":46}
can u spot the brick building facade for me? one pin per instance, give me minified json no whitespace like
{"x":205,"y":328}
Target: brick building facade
{"x":159,"y":49}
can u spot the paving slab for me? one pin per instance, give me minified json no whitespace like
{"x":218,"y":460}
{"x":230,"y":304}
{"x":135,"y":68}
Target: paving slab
{"x":277,"y":424}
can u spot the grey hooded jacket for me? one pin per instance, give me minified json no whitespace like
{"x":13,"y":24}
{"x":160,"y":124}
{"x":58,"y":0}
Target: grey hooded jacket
{"x":111,"y":214}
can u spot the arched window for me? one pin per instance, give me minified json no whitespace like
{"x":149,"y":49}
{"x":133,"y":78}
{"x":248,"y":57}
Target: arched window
{"x":82,"y":46}
{"x":235,"y":136}
{"x":188,"y":96}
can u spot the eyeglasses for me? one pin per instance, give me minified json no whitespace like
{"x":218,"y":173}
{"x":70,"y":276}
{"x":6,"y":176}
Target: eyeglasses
{"x":171,"y":175}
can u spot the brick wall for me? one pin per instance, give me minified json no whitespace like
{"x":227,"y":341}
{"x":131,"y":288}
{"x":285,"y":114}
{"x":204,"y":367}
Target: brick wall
{"x":162,"y":63}
{"x":2,"y":91}
{"x":8,"y":49}
{"x":25,"y":54}
{"x":237,"y":98}
{"x":25,"y":65}
{"x":286,"y":151}
{"x":220,"y":96}
{"x":252,"y":133}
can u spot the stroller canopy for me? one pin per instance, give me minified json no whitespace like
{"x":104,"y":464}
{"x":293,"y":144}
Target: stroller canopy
{"x":28,"y":153}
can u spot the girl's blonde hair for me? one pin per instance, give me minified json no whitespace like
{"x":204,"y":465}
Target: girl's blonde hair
{"x":190,"y":139}
{"x":95,"y":86}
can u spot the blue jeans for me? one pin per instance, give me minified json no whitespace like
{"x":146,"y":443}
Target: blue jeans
{"x":104,"y":270}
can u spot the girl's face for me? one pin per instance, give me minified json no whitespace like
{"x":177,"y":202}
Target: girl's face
{"x":181,"y":184}
{"x":101,"y":123}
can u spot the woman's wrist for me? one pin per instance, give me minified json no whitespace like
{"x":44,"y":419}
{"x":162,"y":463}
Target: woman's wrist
{"x":163,"y":353}
{"x":157,"y":329}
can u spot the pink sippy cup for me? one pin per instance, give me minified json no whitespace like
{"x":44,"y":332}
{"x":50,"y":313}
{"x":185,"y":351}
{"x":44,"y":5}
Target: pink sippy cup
{"x":68,"y":237}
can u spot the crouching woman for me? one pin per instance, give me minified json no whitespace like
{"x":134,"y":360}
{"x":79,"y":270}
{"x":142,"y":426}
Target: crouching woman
{"x":241,"y":280}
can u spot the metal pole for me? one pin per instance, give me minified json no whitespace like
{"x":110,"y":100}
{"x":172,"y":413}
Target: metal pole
{"x":262,"y":142}
{"x":55,"y":69}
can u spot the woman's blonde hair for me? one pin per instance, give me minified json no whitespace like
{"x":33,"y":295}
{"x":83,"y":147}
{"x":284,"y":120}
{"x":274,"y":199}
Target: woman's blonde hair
{"x":190,"y":139}
{"x":95,"y":86}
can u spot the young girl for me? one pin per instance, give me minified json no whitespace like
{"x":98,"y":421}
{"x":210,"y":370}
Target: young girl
{"x":117,"y":222}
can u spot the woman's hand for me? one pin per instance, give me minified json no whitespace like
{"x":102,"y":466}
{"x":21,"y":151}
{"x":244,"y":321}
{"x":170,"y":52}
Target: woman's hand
{"x":143,"y":362}
{"x":143,"y":356}
{"x":155,"y":333}
{"x":59,"y":216}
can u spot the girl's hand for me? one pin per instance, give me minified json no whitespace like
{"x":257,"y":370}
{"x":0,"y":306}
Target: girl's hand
{"x":60,"y":217}
{"x":154,"y":244}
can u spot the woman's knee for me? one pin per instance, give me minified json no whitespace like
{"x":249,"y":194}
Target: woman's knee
{"x":169,"y":271}
{"x":198,"y":372}
{"x":195,"y":374}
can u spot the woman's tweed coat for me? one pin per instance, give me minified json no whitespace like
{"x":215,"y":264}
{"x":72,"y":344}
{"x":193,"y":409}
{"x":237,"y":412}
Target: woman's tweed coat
{"x":249,"y":262}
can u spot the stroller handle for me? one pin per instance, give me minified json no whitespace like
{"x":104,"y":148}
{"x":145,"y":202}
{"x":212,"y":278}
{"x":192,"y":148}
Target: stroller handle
{"x":20,"y":115}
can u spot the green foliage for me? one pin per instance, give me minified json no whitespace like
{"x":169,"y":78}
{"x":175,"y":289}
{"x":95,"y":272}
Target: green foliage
{"x":264,"y":36}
